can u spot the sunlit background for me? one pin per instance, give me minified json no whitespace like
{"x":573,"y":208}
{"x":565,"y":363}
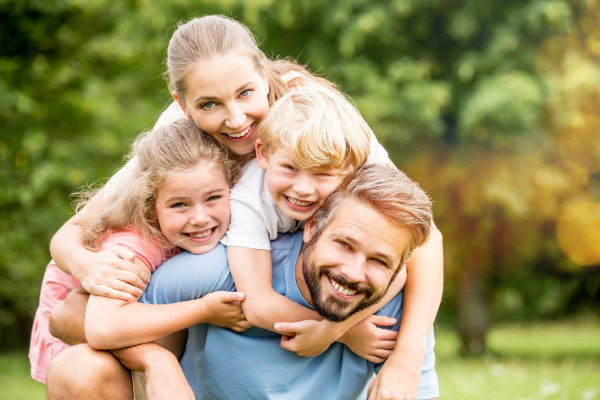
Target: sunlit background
{"x":493,"y":106}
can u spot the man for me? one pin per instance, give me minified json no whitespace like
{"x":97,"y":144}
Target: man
{"x":345,"y":260}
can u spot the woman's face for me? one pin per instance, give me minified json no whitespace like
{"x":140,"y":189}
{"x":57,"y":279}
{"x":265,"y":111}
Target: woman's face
{"x":226,"y":97}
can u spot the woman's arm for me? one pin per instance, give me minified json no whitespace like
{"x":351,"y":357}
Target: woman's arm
{"x":422,"y":296}
{"x":103,"y":273}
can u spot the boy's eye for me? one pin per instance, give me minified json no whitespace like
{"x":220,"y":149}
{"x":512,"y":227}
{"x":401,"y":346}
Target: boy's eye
{"x":208,"y":105}
{"x":215,"y":197}
{"x":289,"y":167}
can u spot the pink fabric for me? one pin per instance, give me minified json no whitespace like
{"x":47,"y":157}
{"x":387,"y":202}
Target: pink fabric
{"x":57,"y":284}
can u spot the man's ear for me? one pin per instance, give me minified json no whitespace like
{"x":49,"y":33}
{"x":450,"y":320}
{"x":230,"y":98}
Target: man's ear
{"x":309,"y":229}
{"x":180,"y":102}
{"x":261,"y":154}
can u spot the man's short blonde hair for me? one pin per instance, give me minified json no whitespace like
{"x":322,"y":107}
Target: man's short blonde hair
{"x":320,"y":128}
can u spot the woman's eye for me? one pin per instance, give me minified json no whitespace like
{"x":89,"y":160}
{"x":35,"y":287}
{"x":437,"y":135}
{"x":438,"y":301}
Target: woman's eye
{"x":207,"y":106}
{"x":246,"y":93}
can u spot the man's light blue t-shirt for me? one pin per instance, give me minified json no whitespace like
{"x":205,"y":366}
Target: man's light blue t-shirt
{"x":222,"y":364}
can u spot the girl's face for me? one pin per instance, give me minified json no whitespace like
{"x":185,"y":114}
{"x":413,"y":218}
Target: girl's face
{"x":226,"y":97}
{"x":193,"y":207}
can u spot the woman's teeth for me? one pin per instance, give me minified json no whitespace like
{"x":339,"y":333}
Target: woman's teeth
{"x":239,"y":135}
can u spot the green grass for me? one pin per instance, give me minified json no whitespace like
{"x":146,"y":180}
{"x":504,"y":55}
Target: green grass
{"x":545,"y":361}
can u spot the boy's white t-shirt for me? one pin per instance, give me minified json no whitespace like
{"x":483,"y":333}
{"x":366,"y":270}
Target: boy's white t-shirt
{"x":256,"y":218}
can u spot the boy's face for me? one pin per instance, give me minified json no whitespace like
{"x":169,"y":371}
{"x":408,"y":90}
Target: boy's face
{"x":297,"y":191}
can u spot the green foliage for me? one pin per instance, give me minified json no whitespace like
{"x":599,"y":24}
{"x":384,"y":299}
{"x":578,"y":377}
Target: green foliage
{"x":492,"y":106}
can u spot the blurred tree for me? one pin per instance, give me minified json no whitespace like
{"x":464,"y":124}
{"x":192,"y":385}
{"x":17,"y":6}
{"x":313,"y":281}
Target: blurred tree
{"x":492,"y":106}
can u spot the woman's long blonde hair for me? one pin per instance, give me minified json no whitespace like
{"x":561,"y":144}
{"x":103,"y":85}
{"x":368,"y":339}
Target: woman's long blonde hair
{"x":158,"y":153}
{"x":201,"y":39}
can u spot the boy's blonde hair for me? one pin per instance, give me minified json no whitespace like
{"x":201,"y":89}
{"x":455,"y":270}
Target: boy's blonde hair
{"x":320,"y":128}
{"x":159,"y":154}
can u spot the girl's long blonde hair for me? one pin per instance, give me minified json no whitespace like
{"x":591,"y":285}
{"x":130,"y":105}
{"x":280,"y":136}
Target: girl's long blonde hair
{"x":159,"y":153}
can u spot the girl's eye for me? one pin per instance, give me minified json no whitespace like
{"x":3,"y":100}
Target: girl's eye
{"x":246,"y":93}
{"x":208,"y":105}
{"x":177,"y":205}
{"x":213,"y":198}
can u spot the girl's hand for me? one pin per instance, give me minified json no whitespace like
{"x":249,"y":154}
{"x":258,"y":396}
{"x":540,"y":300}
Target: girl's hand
{"x":225,"y":310}
{"x":369,"y":341}
{"x":399,"y":377}
{"x":307,"y":338}
{"x":112,"y":273}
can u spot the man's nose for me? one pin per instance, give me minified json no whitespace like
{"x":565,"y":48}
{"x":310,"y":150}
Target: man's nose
{"x":354,"y":268}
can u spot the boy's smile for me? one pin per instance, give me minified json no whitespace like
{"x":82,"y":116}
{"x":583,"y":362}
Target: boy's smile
{"x":297,"y":191}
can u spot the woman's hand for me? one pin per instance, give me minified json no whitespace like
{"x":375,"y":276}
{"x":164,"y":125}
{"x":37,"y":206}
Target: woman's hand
{"x":112,"y":273}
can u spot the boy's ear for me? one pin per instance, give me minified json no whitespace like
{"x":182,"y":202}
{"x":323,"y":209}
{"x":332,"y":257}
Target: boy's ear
{"x":261,"y":154}
{"x":179,"y":101}
{"x":309,"y":229}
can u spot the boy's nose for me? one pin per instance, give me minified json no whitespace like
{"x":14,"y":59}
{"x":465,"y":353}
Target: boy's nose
{"x":304,"y":186}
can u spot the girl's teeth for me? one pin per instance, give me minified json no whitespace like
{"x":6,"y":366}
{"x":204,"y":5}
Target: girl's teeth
{"x":239,"y":135}
{"x":200,"y":235}
{"x":341,"y":289}
{"x":299,"y":203}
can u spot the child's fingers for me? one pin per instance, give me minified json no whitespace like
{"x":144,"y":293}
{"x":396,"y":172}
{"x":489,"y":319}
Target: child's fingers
{"x":382,"y":320}
{"x":230,"y":297}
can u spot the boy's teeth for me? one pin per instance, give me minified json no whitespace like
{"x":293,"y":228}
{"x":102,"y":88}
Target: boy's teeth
{"x":342,"y":289}
{"x":239,"y":135}
{"x":299,"y":203}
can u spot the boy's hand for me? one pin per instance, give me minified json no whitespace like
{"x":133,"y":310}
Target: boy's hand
{"x":399,"y":376}
{"x":307,"y":338}
{"x":369,"y":341}
{"x":225,"y":310}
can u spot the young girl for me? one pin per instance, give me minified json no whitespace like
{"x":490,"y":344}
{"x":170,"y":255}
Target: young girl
{"x":222,"y":81}
{"x":178,"y":199}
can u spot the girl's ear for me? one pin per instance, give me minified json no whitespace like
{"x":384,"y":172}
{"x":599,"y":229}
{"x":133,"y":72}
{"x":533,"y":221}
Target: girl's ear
{"x":179,"y":101}
{"x":261,"y":154}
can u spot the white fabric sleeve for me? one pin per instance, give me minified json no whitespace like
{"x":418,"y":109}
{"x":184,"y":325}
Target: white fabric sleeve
{"x":378,"y":154}
{"x":247,"y":228}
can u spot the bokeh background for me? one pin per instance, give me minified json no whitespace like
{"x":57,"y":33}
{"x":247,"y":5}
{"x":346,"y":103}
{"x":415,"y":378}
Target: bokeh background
{"x":493,"y":106}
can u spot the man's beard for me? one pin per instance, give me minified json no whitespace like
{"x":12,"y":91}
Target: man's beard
{"x":332,"y":308}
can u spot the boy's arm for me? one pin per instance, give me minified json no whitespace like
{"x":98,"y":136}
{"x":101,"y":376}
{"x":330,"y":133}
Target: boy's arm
{"x":252,"y":273}
{"x":422,"y":296}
